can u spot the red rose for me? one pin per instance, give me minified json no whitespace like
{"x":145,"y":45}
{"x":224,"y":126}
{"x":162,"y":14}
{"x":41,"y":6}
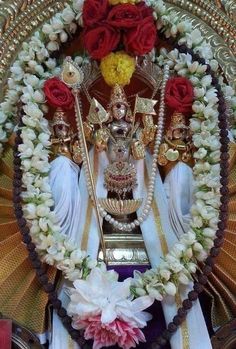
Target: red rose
{"x":124,"y":16}
{"x":94,"y":11}
{"x":141,"y":40}
{"x":58,"y":94}
{"x":100,"y":41}
{"x":179,"y":95}
{"x":145,"y":10}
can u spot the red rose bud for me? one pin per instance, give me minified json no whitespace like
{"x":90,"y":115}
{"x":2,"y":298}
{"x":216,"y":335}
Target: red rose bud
{"x":94,"y":11}
{"x":124,"y":16}
{"x":141,"y":40}
{"x":101,"y":41}
{"x":58,"y":95}
{"x":179,"y":95}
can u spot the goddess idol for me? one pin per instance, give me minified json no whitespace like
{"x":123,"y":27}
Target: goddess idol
{"x":120,"y":163}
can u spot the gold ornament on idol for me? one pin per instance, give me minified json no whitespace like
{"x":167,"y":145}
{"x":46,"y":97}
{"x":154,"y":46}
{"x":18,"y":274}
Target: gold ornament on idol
{"x":177,"y":145}
{"x":72,"y":76}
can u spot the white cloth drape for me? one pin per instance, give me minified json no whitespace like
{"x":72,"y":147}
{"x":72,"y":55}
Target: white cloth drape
{"x":169,"y":213}
{"x":178,"y":186}
{"x":64,"y":179}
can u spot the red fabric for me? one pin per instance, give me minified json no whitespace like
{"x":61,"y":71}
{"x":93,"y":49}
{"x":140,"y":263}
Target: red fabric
{"x":5,"y":334}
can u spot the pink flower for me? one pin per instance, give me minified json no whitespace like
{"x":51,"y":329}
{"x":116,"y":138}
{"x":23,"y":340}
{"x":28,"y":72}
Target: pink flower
{"x":106,"y":335}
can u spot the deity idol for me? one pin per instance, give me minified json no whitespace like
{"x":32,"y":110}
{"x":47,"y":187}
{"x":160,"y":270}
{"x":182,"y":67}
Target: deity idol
{"x":120,"y":180}
{"x":135,"y":203}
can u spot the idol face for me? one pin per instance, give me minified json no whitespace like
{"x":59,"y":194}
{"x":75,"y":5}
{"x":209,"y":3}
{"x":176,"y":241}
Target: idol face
{"x":61,"y":131}
{"x":119,"y":111}
{"x":179,"y":133}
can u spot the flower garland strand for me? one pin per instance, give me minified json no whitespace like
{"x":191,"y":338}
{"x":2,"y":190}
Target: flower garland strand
{"x":181,"y":261}
{"x":47,"y":40}
{"x":202,"y":278}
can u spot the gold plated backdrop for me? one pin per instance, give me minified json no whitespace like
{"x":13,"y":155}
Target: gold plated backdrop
{"x":18,"y":20}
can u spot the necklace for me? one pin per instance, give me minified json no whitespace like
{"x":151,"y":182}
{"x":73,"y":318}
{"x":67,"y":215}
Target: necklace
{"x":150,"y":192}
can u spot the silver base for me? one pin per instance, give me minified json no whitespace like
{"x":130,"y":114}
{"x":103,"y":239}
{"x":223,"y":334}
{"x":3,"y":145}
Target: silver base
{"x":122,"y":249}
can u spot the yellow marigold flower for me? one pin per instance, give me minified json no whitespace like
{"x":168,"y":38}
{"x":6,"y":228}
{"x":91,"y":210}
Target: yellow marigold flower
{"x":116,"y":2}
{"x":117,"y":68}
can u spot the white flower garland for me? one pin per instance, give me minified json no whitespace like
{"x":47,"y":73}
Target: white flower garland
{"x":26,"y":82}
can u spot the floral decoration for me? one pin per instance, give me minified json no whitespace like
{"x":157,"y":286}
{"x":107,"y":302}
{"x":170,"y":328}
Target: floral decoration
{"x":117,"y":68}
{"x":179,"y":95}
{"x":94,"y":12}
{"x":57,"y":94}
{"x":107,"y":311}
{"x":28,"y":75}
{"x":104,"y":29}
{"x":101,"y":40}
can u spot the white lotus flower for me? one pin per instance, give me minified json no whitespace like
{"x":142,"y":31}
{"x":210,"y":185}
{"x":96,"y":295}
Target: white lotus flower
{"x":98,"y":294}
